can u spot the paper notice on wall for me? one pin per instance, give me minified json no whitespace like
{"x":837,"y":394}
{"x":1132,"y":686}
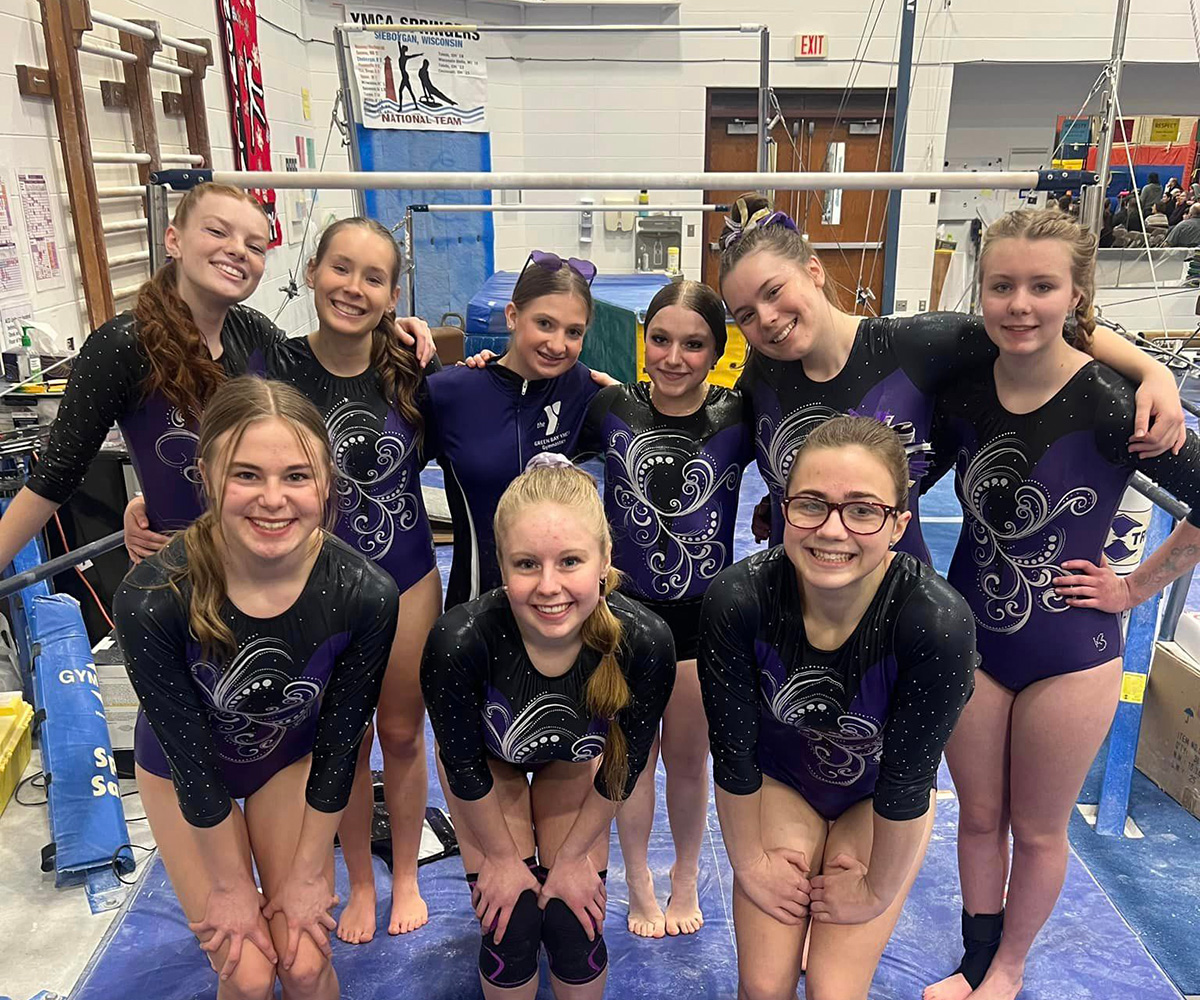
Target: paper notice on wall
{"x":13,"y":315}
{"x":11,"y":280}
{"x":407,"y":78}
{"x":40,"y":229}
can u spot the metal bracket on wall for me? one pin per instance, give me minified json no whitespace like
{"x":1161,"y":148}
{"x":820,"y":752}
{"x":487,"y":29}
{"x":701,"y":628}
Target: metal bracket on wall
{"x":113,"y":94}
{"x":34,"y":81}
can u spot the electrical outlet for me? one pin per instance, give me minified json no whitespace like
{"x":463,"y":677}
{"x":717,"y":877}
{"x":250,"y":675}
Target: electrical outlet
{"x":691,"y":230}
{"x":933,"y":197}
{"x":922,"y":305}
{"x":901,"y":305}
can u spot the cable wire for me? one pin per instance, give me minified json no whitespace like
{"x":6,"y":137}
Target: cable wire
{"x":292,"y":289}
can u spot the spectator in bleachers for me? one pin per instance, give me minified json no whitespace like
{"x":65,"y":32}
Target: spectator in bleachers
{"x":1152,"y":193}
{"x":1129,"y":214}
{"x":1187,"y":233}
{"x":1158,"y":218}
{"x":1179,"y":207}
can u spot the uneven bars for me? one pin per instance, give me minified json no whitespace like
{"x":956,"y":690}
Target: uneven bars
{"x":521,"y":29}
{"x":379,"y":180}
{"x":600,"y":209}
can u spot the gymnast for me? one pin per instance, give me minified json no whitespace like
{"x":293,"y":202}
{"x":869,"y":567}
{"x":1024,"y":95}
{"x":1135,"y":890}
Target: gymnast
{"x":484,"y":423}
{"x":1038,"y":442}
{"x":674,"y":450}
{"x":256,"y":642}
{"x":833,"y":670}
{"x":545,"y":695}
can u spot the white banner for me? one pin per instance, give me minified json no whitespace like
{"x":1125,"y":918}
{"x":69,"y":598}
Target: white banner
{"x":410,"y":79}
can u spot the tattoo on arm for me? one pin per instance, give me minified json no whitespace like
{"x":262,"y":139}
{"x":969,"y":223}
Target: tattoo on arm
{"x":1178,"y":560}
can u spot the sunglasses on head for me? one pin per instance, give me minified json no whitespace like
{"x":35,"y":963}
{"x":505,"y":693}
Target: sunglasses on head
{"x":553,"y":262}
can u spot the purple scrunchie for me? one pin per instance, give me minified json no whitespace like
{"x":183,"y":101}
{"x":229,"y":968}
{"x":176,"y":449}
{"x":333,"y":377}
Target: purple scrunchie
{"x":759,"y":220}
{"x":549,"y":460}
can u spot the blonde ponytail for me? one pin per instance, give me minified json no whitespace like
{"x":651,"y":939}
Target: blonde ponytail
{"x":206,"y":574}
{"x":607,"y":689}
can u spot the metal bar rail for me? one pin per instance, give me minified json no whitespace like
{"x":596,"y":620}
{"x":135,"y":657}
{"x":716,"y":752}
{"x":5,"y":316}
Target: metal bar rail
{"x":522,"y":29}
{"x":599,"y":209}
{"x":111,"y":21}
{"x":379,"y":180}
{"x":59,"y":564}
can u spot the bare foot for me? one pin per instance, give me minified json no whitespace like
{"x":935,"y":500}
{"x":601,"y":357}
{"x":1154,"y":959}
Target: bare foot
{"x":645,"y":915}
{"x":408,"y":908}
{"x":356,"y":925}
{"x":953,"y":987}
{"x":999,"y":984}
{"x":683,"y":908}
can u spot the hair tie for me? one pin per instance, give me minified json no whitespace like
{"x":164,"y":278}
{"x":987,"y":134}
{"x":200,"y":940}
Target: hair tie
{"x":549,"y":460}
{"x":760,"y":219}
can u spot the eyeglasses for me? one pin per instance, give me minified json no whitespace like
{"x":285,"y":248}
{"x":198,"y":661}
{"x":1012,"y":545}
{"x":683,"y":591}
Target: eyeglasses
{"x":859,"y":517}
{"x":553,"y":262}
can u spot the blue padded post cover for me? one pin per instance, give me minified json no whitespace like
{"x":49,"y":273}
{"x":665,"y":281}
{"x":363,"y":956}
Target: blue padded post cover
{"x":87,"y":821}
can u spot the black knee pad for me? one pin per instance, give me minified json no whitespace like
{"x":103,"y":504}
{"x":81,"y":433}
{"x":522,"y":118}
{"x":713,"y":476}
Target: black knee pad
{"x":514,"y":961}
{"x":573,"y":958}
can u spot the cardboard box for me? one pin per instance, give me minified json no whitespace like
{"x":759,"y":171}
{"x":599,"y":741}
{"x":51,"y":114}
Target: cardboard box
{"x":1169,"y":745}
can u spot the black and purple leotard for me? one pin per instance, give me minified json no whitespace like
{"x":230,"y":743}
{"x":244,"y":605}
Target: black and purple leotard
{"x":1038,"y":489}
{"x":304,"y":682}
{"x":671,"y":493}
{"x":106,"y":387}
{"x":894,"y":369}
{"x":867,"y":720}
{"x":485,"y":697}
{"x":380,"y":508}
{"x":483,"y":426}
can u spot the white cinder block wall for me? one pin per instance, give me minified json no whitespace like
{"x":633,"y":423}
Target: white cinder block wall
{"x":586,"y":101}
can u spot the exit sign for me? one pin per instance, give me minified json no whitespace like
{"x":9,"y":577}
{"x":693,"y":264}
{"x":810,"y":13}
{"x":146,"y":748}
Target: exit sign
{"x":811,"y":46}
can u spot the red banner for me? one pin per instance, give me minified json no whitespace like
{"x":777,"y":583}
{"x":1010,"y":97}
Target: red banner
{"x":247,"y":99}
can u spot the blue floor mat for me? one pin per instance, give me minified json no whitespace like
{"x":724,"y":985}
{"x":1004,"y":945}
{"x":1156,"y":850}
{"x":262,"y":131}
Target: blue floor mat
{"x":1086,"y":952}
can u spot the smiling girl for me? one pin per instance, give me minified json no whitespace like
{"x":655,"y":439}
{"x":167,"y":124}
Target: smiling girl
{"x":833,"y":670}
{"x":556,"y":675}
{"x":366,"y":386}
{"x":483,"y":424}
{"x":674,"y":451}
{"x":256,"y":643}
{"x":1038,"y":440}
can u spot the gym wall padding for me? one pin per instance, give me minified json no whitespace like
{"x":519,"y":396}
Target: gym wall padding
{"x":87,"y":820}
{"x":454,"y":252}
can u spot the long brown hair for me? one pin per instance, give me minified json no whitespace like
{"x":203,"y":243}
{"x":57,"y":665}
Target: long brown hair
{"x":396,"y":365}
{"x":236,"y":405}
{"x":1024,"y":224}
{"x":181,"y":367}
{"x":745,"y":235}
{"x":607,"y":691}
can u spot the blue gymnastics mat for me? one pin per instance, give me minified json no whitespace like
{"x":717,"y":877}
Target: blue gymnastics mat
{"x":1086,"y":952}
